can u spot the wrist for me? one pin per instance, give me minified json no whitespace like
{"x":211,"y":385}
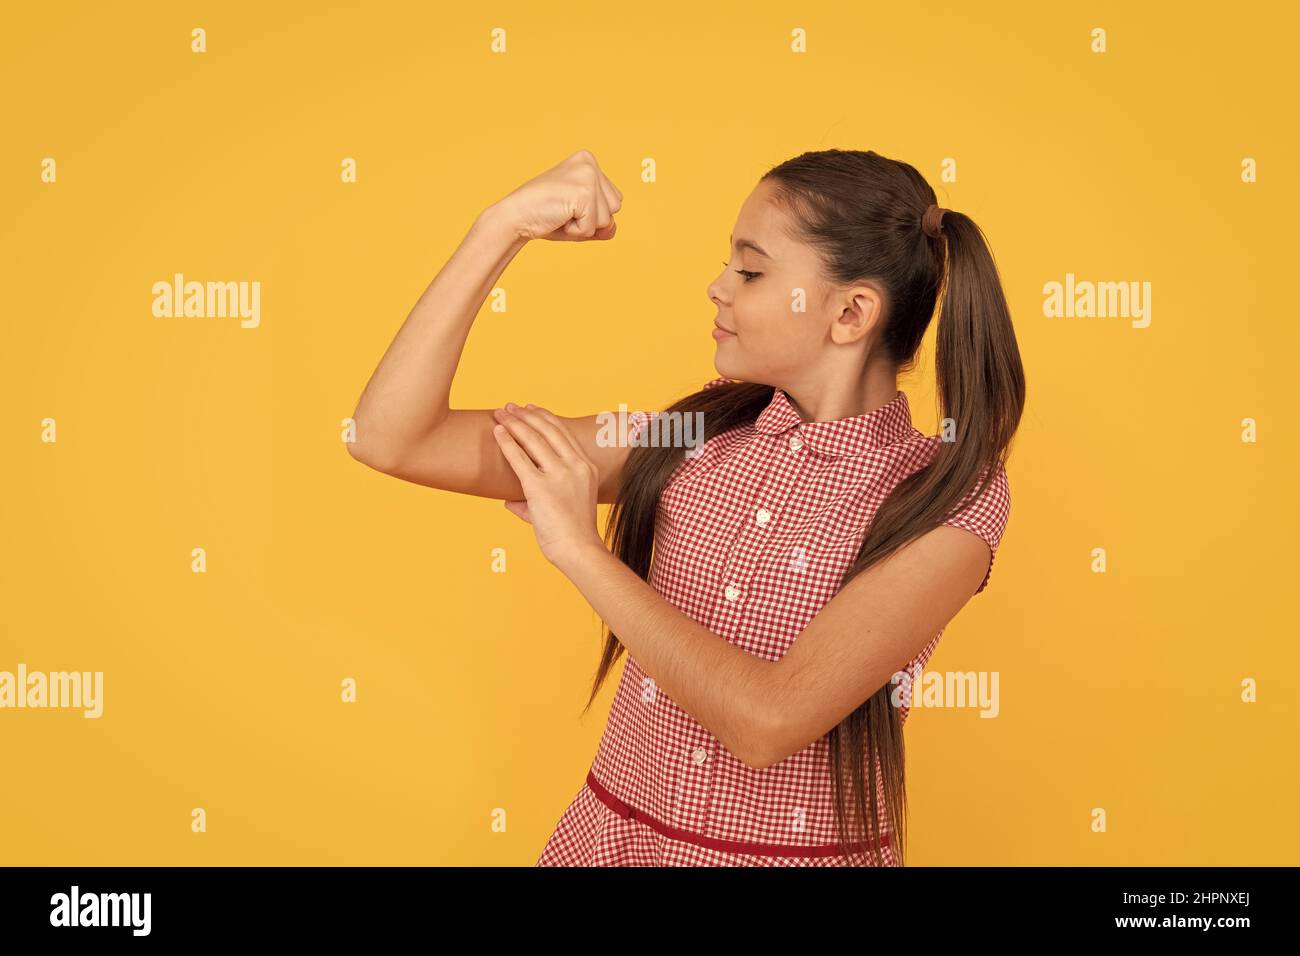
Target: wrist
{"x":580,"y":554}
{"x":498,"y":220}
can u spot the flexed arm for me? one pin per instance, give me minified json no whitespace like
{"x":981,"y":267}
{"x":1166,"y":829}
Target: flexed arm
{"x":405,"y":425}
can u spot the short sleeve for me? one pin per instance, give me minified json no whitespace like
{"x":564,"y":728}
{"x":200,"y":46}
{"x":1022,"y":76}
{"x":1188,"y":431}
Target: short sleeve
{"x":986,"y":515}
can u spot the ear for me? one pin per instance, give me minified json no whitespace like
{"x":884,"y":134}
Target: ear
{"x":860,"y":315}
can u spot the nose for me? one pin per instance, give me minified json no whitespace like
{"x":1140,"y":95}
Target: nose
{"x":716,"y":292}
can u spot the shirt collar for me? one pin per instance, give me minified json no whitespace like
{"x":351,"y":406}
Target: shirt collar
{"x":840,"y":437}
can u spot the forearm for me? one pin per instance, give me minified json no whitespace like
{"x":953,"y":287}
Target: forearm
{"x":726,"y":689}
{"x":408,"y":394}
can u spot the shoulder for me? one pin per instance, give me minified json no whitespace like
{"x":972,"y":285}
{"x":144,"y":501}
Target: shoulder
{"x":987,"y":506}
{"x":984,"y":512}
{"x":989,"y":499}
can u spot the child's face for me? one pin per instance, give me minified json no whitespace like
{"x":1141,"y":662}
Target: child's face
{"x":789,"y":323}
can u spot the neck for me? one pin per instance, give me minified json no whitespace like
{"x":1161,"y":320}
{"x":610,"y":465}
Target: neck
{"x":832,"y":399}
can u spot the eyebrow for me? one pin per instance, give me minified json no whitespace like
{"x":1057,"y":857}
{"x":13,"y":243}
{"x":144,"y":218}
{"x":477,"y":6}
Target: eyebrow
{"x":749,"y":244}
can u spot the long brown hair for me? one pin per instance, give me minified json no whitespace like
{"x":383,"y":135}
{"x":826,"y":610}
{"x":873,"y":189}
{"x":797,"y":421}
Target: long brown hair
{"x":863,"y":212}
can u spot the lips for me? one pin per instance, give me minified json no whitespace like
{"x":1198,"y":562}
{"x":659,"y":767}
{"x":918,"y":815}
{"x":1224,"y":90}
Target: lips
{"x":723,"y":328}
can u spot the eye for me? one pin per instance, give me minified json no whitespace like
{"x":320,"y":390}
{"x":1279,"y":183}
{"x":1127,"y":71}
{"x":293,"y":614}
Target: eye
{"x":749,"y":276}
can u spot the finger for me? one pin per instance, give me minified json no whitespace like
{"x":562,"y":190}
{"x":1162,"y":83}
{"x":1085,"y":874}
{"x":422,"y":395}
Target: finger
{"x":519,"y":509}
{"x":532,"y":441}
{"x":560,"y":427}
{"x":602,"y":207}
{"x":613,"y":202}
{"x":613,"y":196}
{"x":515,"y":456}
{"x":583,"y":224}
{"x":556,"y":435}
{"x":604,"y":221}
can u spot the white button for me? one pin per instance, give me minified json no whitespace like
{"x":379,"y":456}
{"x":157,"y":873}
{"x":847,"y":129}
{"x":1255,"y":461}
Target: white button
{"x":795,"y":442}
{"x":732,"y":593}
{"x":763,"y":516}
{"x":700,"y":755}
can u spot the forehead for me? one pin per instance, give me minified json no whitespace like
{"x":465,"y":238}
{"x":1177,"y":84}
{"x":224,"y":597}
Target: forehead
{"x":765,"y":221}
{"x":760,"y":213}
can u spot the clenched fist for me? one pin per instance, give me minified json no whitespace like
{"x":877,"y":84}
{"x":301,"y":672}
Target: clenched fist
{"x":573,"y":201}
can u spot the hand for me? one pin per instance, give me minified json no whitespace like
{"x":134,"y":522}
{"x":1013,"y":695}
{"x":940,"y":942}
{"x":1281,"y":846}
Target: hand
{"x":559,"y":481}
{"x":572,"y":201}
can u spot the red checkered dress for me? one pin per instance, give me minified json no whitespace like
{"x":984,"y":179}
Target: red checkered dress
{"x":754,"y":531}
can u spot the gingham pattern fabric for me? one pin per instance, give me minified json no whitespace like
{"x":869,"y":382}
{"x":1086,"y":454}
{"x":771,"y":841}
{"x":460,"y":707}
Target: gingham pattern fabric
{"x":754,"y":531}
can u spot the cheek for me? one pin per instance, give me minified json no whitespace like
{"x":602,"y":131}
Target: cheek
{"x":765,"y":314}
{"x":770,"y":321}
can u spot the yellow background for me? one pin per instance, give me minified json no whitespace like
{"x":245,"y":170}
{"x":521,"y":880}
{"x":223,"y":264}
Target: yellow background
{"x":1119,"y":690}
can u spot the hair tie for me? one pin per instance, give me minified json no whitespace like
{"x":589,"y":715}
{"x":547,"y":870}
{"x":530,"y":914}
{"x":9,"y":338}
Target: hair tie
{"x":932,"y":221}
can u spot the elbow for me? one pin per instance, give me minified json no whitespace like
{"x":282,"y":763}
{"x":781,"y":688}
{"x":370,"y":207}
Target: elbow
{"x":766,"y":743}
{"x":759,"y":758}
{"x":361,"y":452}
{"x":374,"y":446}
{"x":757,"y":762}
{"x":373,"y":455}
{"x":387,"y":448}
{"x":763,"y":757}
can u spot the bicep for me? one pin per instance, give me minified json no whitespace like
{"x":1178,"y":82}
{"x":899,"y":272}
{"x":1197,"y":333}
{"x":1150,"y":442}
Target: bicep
{"x":461,"y":455}
{"x":869,"y":630}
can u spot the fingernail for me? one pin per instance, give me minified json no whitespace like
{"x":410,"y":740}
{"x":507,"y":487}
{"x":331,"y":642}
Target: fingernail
{"x":531,"y":405}
{"x":511,"y":405}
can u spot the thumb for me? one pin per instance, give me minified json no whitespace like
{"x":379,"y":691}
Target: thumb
{"x":583,"y":223}
{"x":519,"y":509}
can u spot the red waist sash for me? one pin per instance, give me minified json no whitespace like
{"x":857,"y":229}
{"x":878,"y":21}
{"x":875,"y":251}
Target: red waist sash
{"x":726,"y":846}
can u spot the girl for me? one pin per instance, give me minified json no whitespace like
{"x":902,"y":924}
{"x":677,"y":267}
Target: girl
{"x":808,"y":548}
